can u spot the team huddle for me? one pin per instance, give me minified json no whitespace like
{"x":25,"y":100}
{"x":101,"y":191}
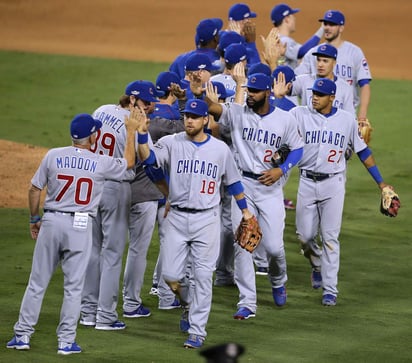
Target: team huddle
{"x":204,"y":154}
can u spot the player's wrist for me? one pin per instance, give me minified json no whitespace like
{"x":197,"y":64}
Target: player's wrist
{"x":142,"y":138}
{"x":35,"y":219}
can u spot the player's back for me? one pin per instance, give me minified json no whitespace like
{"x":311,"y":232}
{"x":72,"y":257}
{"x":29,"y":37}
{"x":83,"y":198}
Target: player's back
{"x":74,"y":178}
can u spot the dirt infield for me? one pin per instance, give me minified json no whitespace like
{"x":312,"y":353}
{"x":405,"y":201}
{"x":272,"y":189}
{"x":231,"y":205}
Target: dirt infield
{"x":159,"y":30}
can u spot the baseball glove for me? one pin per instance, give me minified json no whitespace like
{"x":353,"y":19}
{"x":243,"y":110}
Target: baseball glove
{"x":390,"y":202}
{"x":365,"y":129}
{"x":280,"y":155}
{"x":248,"y":234}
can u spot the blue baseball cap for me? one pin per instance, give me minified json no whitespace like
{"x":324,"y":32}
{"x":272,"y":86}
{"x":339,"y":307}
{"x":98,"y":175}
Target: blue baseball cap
{"x":326,"y":50}
{"x":235,"y":53}
{"x":281,"y":11}
{"x":164,"y":79}
{"x":207,"y":29}
{"x":229,"y":37}
{"x":143,"y":90}
{"x":222,"y":91}
{"x":83,"y":125}
{"x":334,"y":16}
{"x":240,"y":11}
{"x":199,"y":61}
{"x":259,"y":68}
{"x":324,"y":86}
{"x":196,"y":107}
{"x":259,"y":81}
{"x":287,"y":71}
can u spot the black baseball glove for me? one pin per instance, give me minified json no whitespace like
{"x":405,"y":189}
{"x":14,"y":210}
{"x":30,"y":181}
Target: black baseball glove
{"x":280,"y":155}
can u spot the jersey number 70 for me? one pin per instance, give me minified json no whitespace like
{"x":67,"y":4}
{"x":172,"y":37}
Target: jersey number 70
{"x":81,"y":184}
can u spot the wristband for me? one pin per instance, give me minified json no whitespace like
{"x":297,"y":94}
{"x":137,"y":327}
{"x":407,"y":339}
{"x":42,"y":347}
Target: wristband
{"x":376,"y":175}
{"x":241,"y":203}
{"x":35,"y":219}
{"x":142,"y":138}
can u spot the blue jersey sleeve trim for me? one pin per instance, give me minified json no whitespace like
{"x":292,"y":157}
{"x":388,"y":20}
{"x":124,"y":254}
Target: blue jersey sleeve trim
{"x":312,"y":42}
{"x":151,"y":160}
{"x":292,"y":159}
{"x":363,"y":82}
{"x":235,"y":188}
{"x":364,"y":154}
{"x":155,"y":174}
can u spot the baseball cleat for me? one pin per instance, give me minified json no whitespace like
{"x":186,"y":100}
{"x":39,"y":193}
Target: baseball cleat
{"x":316,"y":278}
{"x":19,"y":342}
{"x":154,"y":290}
{"x":140,"y":312}
{"x":184,"y":320}
{"x":117,"y":325}
{"x":263,"y":271}
{"x":279,"y":295}
{"x":68,"y":348}
{"x":288,"y":204}
{"x":194,"y":341}
{"x":174,"y":305}
{"x":329,"y":300}
{"x":244,"y":314}
{"x":85,"y":322}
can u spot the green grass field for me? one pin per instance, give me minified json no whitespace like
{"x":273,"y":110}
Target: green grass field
{"x":372,"y":321}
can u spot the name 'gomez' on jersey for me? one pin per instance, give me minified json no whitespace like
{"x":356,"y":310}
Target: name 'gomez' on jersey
{"x":196,"y":170}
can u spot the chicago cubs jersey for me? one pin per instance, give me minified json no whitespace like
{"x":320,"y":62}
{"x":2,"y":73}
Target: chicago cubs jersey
{"x":256,"y":138}
{"x":326,"y":139}
{"x":75,"y":178}
{"x":196,"y":170}
{"x":343,"y":98}
{"x":351,"y":65}
{"x":111,"y":138}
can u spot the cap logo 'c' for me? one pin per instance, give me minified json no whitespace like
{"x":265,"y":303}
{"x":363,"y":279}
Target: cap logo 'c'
{"x":201,"y":66}
{"x":93,"y":128}
{"x":329,"y":15}
{"x":323,"y":47}
{"x":320,"y":83}
{"x":193,"y":105}
{"x":285,"y":13}
{"x":151,"y":91}
{"x":253,"y":80}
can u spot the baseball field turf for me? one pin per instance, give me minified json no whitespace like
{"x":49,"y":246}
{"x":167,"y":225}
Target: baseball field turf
{"x":372,"y":321}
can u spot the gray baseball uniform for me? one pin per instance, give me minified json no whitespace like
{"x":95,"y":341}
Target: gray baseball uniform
{"x":343,"y":97}
{"x":101,"y":288}
{"x":197,"y":172}
{"x":255,"y":139}
{"x":74,"y":179}
{"x":351,"y":65}
{"x":321,"y":190}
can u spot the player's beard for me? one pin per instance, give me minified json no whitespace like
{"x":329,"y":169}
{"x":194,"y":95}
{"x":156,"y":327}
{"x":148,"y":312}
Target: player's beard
{"x":255,"y":105}
{"x":193,"y":131}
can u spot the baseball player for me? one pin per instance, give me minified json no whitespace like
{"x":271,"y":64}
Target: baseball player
{"x":198,"y":166}
{"x":351,"y":64}
{"x":326,"y":132}
{"x":326,"y":55}
{"x":142,"y":218}
{"x":284,"y":21}
{"x":234,"y":54}
{"x":240,"y":20}
{"x":110,"y":227}
{"x":258,"y":129}
{"x":74,"y":177}
{"x":206,"y":39}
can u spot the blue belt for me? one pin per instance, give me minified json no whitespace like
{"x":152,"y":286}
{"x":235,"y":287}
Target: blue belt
{"x":188,"y":210}
{"x":250,"y":175}
{"x":315,"y":176}
{"x":59,"y":212}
